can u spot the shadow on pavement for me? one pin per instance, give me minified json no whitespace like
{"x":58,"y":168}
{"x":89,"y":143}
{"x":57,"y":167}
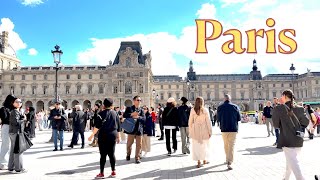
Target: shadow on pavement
{"x":62,"y":155}
{"x":183,"y":173}
{"x":264,"y":150}
{"x":96,"y":165}
{"x":254,"y":137}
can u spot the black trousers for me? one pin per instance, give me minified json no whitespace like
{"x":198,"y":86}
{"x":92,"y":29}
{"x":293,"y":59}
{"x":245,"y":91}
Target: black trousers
{"x":174,"y":139}
{"x":107,"y":147}
{"x":161,"y":129}
{"x":75,"y":137}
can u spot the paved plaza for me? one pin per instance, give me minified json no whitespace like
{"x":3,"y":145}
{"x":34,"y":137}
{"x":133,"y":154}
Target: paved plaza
{"x":255,"y":158}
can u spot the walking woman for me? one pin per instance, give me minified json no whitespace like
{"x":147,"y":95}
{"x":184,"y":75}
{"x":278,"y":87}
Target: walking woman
{"x":170,"y":122}
{"x":291,"y":120}
{"x":200,"y":131}
{"x":16,"y":125}
{"x":5,"y":118}
{"x":147,"y":132}
{"x":109,"y":134}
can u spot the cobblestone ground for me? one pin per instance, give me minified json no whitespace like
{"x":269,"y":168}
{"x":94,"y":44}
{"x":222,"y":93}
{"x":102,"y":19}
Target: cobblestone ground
{"x":255,"y":158}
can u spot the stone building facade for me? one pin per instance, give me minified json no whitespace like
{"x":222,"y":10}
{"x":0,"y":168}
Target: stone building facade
{"x":130,"y":74}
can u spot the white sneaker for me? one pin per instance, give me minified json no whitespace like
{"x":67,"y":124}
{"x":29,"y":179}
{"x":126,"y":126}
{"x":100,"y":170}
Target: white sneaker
{"x":3,"y":167}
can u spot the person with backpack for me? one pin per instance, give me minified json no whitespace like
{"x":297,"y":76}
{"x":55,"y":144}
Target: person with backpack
{"x":5,"y":116}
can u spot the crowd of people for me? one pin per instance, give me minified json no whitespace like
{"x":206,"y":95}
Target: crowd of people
{"x":284,"y":118}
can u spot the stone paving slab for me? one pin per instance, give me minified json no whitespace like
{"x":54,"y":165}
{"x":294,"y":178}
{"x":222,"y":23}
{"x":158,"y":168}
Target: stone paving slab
{"x":255,"y":158}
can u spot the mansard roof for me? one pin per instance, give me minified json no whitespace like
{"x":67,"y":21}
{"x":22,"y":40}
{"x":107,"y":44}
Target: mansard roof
{"x":135,"y":45}
{"x":166,"y":78}
{"x":223,"y":77}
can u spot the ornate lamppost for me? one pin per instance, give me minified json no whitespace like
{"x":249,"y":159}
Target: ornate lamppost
{"x":292,"y":69}
{"x":188,"y":89}
{"x":57,"y":59}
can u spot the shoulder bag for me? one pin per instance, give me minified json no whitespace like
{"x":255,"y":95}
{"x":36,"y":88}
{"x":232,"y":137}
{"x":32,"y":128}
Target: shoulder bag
{"x":299,"y":131}
{"x":128,"y":124}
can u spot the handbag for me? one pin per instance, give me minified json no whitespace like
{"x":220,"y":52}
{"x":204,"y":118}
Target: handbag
{"x":128,"y":125}
{"x":299,"y":131}
{"x":22,"y":143}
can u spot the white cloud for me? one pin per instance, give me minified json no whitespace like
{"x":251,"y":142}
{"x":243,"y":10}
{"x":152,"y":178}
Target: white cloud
{"x":14,"y":39}
{"x":31,"y":2}
{"x":32,"y":52}
{"x":226,"y":3}
{"x":299,"y":15}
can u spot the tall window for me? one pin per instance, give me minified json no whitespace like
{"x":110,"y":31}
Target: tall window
{"x":34,"y":77}
{"x":34,"y":90}
{"x":67,"y":89}
{"x":306,"y":93}
{"x":208,"y":96}
{"x":12,"y":89}
{"x":101,"y":76}
{"x":23,"y":90}
{"x":79,"y":89}
{"x":12,"y":77}
{"x":242,"y":95}
{"x":282,"y":85}
{"x":161,"y":96}
{"x":45,"y":89}
{"x":128,"y":87}
{"x":161,"y":86}
{"x":79,"y":76}
{"x":141,"y":74}
{"x":45,"y":77}
{"x":128,"y":74}
{"x":241,"y":85}
{"x":89,"y":89}
{"x":115,"y":89}
{"x":169,"y":86}
{"x":274,"y":85}
{"x":177,"y":86}
{"x":141,"y":88}
{"x":224,"y":86}
{"x":317,"y":81}
{"x":208,"y":85}
{"x":68,"y":76}
{"x":23,"y":77}
{"x":274,"y":94}
{"x":100,"y":89}
{"x":90,"y":76}
{"x":192,"y":96}
{"x":169,"y":95}
{"x":178,"y":95}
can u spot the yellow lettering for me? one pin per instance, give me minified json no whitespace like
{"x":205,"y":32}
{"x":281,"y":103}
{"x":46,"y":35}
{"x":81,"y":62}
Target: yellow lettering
{"x":252,"y":41}
{"x":202,"y":33}
{"x":236,"y":41}
{"x":291,"y":43}
{"x":271,"y":44}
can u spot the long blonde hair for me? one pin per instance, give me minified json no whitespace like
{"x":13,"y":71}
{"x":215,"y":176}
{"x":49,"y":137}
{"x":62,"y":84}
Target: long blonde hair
{"x":199,"y":105}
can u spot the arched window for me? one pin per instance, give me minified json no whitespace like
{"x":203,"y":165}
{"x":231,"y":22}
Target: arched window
{"x":141,"y":88}
{"x":128,"y":87}
{"x":128,"y":62}
{"x":115,"y":89}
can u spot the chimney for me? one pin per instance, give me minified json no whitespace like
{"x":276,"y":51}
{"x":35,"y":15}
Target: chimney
{"x":4,"y":41}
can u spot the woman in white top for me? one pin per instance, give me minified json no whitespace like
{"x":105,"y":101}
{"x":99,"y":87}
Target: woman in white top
{"x":200,"y":132}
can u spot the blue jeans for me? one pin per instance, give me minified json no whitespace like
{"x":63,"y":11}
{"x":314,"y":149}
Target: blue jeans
{"x":277,"y":131}
{"x":55,"y":138}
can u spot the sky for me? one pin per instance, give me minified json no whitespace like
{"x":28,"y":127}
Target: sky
{"x":89,"y":32}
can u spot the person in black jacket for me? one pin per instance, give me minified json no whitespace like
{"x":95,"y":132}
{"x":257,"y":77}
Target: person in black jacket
{"x":136,"y":113}
{"x":229,"y":116}
{"x":147,"y":132}
{"x":79,"y":125}
{"x":5,"y":116}
{"x":184,"y":113}
{"x":170,"y":122}
{"x":16,"y":125}
{"x":31,"y":123}
{"x":58,"y":117}
{"x":267,"y":116}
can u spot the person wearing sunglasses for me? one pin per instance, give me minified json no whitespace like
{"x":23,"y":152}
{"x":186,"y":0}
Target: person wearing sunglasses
{"x":16,"y":125}
{"x":136,"y":113}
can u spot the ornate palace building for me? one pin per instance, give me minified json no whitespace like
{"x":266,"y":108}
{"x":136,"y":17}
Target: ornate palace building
{"x":130,"y":74}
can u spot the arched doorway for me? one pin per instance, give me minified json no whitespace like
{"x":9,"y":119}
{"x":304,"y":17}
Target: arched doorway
{"x":75,"y":102}
{"x":28,"y":104}
{"x":40,"y":106}
{"x":260,"y":106}
{"x":86,"y":104}
{"x":64,"y":104}
{"x":128,"y":103}
{"x":244,"y":107}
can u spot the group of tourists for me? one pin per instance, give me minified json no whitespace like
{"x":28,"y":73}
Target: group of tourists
{"x":289,"y":120}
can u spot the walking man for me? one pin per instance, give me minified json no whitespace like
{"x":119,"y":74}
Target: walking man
{"x":268,"y":117}
{"x":228,"y":117}
{"x":184,"y":113}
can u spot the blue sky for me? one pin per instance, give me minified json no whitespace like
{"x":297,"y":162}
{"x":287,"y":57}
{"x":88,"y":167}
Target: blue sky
{"x":90,"y":32}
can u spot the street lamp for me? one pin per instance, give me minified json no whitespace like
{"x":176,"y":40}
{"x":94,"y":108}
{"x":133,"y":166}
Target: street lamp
{"x":57,"y":59}
{"x":188,"y":84}
{"x":292,"y":69}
